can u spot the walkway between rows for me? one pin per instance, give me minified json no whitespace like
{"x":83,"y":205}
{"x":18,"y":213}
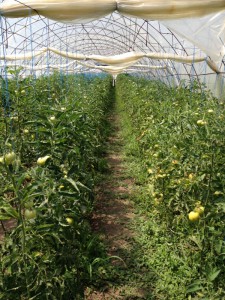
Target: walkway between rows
{"x":113,"y":221}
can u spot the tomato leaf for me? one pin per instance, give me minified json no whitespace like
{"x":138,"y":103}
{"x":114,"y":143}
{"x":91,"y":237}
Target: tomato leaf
{"x":212,"y":275}
{"x":4,"y":217}
{"x":10,"y":211}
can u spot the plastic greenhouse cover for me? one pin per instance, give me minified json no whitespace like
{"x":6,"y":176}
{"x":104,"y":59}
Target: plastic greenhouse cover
{"x":197,"y":30}
{"x":129,"y":58}
{"x":42,"y":67}
{"x":121,"y":60}
{"x":86,"y":10}
{"x":125,"y":59}
{"x":58,"y":10}
{"x":207,"y":33}
{"x":78,"y":67}
{"x":169,"y":9}
{"x":149,"y":67}
{"x":27,"y":55}
{"x":114,"y":70}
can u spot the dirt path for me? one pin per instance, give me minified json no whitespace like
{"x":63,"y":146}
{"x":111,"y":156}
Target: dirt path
{"x":7,"y":225}
{"x":113,"y":221}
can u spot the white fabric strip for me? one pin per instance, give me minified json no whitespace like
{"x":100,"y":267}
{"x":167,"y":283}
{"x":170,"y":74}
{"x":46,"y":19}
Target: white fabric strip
{"x":86,"y":10}
{"x":78,"y":11}
{"x":25,"y":56}
{"x":121,"y":61}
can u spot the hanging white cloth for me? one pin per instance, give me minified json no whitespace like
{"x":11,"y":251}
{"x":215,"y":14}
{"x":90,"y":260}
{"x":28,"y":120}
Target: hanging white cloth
{"x":24,"y":56}
{"x":121,"y":61}
{"x":202,"y":20}
{"x":86,"y":10}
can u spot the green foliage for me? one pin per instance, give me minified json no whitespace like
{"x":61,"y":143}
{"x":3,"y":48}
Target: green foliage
{"x":54,"y":129}
{"x":175,"y":144}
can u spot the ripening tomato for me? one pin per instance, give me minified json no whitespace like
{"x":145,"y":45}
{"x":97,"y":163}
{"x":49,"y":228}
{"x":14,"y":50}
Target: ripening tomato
{"x":193,"y":216}
{"x":200,"y":209}
{"x":9,"y":158}
{"x":69,"y":220}
{"x":42,"y":160}
{"x":30,"y":214}
{"x":201,"y":122}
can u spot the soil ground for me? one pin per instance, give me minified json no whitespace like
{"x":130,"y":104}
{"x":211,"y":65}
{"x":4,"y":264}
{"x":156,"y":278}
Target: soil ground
{"x":113,"y":219}
{"x":7,"y":226}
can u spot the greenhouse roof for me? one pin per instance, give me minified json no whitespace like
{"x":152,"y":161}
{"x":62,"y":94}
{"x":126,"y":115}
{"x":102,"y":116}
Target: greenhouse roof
{"x":70,"y":35}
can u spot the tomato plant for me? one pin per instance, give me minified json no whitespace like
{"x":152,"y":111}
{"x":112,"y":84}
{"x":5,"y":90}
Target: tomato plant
{"x":54,"y":130}
{"x":175,"y":144}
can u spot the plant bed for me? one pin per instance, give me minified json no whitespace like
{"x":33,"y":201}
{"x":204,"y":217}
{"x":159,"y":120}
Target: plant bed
{"x":54,"y":130}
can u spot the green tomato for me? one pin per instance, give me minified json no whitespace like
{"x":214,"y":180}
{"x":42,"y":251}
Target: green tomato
{"x":30,"y":214}
{"x":199,"y":209}
{"x":9,"y":158}
{"x":29,"y":204}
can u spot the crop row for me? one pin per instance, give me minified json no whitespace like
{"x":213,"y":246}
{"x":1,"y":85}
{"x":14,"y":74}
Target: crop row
{"x":53,"y":131}
{"x":176,"y":143}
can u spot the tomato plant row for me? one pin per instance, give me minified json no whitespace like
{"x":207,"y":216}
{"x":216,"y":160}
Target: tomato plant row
{"x":53,"y":131}
{"x":175,"y":141}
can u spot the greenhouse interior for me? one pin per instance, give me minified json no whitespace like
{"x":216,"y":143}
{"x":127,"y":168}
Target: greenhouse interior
{"x":112,"y":166}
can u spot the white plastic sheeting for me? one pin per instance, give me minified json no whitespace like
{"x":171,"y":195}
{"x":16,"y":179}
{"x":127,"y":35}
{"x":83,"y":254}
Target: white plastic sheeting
{"x":207,"y":33}
{"x":125,"y":59}
{"x":121,"y":60}
{"x":86,"y":10}
{"x":169,"y":9}
{"x":115,"y":70}
{"x":129,"y":58}
{"x":68,"y":67}
{"x":42,"y":67}
{"x":24,"y":56}
{"x":58,"y":10}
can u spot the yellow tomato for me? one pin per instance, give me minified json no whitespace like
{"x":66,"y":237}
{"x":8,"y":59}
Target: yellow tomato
{"x":42,"y":160}
{"x":201,"y":122}
{"x":150,"y":171}
{"x":193,"y":216}
{"x":217,"y":193}
{"x":69,"y":220}
{"x":199,"y":209}
{"x":191,"y":176}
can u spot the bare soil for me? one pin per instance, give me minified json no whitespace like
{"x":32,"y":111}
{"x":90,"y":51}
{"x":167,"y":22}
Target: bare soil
{"x":114,"y":214}
{"x":6,"y":226}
